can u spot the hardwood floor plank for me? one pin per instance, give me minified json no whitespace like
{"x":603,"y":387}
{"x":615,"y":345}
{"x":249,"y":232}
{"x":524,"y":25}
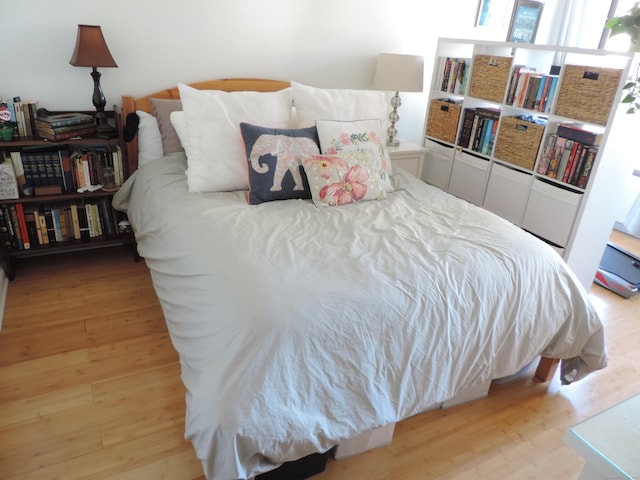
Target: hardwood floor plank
{"x":179,"y":465}
{"x":38,"y":406}
{"x":46,"y":451}
{"x":30,"y":343}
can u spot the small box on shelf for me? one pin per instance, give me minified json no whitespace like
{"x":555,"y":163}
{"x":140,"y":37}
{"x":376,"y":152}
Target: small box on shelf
{"x":490,"y":76}
{"x":580,"y":84}
{"x":442,"y":123}
{"x":518,"y":141}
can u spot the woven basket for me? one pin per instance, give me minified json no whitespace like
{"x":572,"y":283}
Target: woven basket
{"x":490,"y":77}
{"x":587,"y":93}
{"x":518,"y":142}
{"x":442,"y":122}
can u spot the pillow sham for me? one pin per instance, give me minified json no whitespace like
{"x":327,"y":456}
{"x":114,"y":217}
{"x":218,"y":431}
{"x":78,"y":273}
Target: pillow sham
{"x":162,"y":109}
{"x":357,"y":135}
{"x":344,"y":178}
{"x":216,"y":159}
{"x":149,"y":138}
{"x":314,"y":104}
{"x":177,"y":120}
{"x":274,"y":157}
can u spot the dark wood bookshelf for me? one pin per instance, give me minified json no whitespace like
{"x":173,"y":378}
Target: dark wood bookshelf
{"x":9,"y":254}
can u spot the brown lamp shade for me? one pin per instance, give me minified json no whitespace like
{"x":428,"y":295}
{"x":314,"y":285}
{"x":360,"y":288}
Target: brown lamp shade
{"x":91,"y":49}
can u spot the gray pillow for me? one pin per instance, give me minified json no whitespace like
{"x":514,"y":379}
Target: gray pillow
{"x":162,"y":109}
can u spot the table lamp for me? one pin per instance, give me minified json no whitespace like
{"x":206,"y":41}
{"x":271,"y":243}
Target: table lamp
{"x":91,"y":51}
{"x":399,"y":73}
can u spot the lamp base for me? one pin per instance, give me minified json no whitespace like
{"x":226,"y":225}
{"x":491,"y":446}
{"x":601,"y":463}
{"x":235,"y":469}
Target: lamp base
{"x":392,"y":131}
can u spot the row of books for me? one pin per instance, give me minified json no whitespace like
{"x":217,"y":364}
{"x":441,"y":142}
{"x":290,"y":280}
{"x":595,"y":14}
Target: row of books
{"x":452,"y":73}
{"x":530,"y":89}
{"x":27,"y":226}
{"x":479,"y":128}
{"x":68,"y":171}
{"x":63,"y":126}
{"x":24,"y":113}
{"x":569,"y":155}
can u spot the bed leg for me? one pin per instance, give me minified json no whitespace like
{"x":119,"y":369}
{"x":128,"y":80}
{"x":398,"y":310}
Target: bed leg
{"x":546,"y":368}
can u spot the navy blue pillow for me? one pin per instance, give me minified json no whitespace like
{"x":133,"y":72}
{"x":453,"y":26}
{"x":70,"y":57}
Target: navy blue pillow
{"x":274,"y":157}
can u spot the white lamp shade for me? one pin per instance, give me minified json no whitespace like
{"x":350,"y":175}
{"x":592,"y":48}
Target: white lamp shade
{"x":399,"y":73}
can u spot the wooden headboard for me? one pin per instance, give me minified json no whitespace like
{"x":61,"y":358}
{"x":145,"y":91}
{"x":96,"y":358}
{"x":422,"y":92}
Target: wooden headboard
{"x":131,"y":104}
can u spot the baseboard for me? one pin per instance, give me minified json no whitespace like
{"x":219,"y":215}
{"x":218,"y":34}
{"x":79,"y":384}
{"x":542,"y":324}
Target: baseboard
{"x":4,"y":286}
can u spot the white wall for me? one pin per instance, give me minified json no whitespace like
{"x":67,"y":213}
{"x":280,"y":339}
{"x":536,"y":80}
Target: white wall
{"x":158,"y":43}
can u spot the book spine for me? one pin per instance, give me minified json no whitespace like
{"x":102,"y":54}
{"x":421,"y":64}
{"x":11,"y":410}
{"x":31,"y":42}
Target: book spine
{"x":23,"y":226}
{"x":588,"y":166}
{"x":11,"y":226}
{"x":36,"y":221}
{"x":75,"y":221}
{"x":57,"y":227}
{"x":43,"y":228}
{"x":51,"y":230}
{"x":16,"y":227}
{"x":572,"y":158}
{"x":549,"y":147}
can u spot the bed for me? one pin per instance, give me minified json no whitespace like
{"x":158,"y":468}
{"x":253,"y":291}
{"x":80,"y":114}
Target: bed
{"x":304,"y":321}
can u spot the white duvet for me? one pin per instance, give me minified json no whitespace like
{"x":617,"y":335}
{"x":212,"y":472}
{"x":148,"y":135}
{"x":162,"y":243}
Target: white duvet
{"x":298,"y":327}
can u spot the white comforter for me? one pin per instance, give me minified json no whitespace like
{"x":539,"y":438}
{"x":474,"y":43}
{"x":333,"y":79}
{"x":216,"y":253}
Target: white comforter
{"x":298,"y":327}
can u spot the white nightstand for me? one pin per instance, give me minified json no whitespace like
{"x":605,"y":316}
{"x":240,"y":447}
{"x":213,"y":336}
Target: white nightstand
{"x":408,"y":156}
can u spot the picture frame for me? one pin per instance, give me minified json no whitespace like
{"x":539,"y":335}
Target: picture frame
{"x":492,"y":13}
{"x":524,"y":21}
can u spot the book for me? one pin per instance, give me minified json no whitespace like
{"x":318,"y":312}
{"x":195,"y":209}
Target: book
{"x":568,"y":146}
{"x":22,"y":224}
{"x":8,"y":182}
{"x":582,"y":135}
{"x":575,"y":152}
{"x":467,"y":125}
{"x":556,"y":156}
{"x":63,"y":119}
{"x":588,"y":165}
{"x":87,"y":131}
{"x":549,"y":146}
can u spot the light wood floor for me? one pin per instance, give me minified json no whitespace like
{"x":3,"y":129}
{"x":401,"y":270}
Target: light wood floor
{"x":90,"y":388}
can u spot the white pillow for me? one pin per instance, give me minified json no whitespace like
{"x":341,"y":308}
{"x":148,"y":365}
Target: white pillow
{"x":216,"y":157}
{"x":339,"y":137}
{"x":149,"y":138}
{"x":314,"y":104}
{"x":177,"y":120}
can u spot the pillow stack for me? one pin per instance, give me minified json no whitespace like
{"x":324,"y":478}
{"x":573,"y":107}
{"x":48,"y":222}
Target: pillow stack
{"x":332,"y":150}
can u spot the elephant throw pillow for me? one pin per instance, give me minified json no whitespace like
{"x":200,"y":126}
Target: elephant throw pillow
{"x":274,"y":157}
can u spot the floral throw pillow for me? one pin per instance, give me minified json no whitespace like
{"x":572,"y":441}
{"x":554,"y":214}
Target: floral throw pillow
{"x":343,"y":178}
{"x":338,"y":136}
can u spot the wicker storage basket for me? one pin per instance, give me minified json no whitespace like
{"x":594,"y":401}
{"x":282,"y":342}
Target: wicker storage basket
{"x":442,"y":122}
{"x":587,"y":93}
{"x":490,"y":77}
{"x":518,"y":141}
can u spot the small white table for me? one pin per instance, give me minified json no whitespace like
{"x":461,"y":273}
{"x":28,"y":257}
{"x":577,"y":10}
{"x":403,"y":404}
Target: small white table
{"x":609,"y":442}
{"x":408,"y":156}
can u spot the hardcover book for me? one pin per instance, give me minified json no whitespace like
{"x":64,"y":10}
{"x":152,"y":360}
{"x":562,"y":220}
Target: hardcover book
{"x":63,"y":119}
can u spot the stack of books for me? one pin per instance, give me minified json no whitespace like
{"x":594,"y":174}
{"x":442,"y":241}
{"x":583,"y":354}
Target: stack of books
{"x":64,"y":125}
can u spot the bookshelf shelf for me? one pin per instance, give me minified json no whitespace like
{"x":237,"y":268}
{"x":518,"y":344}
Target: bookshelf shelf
{"x":506,"y":150}
{"x":66,"y":222}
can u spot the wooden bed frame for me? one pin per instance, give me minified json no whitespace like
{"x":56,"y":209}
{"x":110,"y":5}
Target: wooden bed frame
{"x":546,"y":366}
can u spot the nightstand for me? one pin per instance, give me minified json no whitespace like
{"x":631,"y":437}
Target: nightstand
{"x":408,"y":156}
